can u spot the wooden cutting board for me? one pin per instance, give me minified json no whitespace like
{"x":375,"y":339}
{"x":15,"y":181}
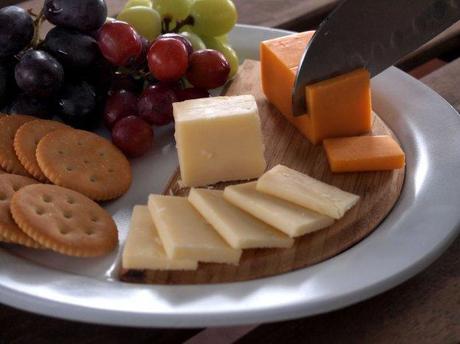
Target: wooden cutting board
{"x":379,"y":192}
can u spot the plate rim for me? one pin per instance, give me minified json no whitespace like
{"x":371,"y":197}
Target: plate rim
{"x":73,"y":311}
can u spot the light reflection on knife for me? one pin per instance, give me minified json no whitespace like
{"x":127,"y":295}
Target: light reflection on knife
{"x":373,"y":34}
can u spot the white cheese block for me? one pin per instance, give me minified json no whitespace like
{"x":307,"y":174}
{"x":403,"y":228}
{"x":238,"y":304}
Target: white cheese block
{"x":219,"y":139}
{"x":306,"y":191}
{"x":143,"y":249}
{"x":186,"y":235}
{"x":288,"y":217}
{"x":238,"y":228}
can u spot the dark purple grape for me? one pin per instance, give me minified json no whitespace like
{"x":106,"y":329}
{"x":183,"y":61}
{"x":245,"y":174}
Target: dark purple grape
{"x":83,"y":15}
{"x":155,"y":104}
{"x":120,"y":104}
{"x":8,"y":87}
{"x":4,"y":81}
{"x":16,"y":30}
{"x":100,"y":75}
{"x":126,"y":82}
{"x":24,"y":104}
{"x":77,"y":105}
{"x":39,"y":74}
{"x":73,"y":49}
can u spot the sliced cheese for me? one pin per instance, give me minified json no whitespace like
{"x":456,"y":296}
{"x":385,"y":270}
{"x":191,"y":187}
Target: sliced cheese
{"x":219,"y":139}
{"x":143,"y":249}
{"x":288,"y":217}
{"x":364,"y":153}
{"x":186,"y":235}
{"x":306,"y":191}
{"x":340,"y":106}
{"x":238,"y":228}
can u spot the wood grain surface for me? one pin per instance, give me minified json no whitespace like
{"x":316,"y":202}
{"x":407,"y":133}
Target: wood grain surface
{"x":285,"y":145}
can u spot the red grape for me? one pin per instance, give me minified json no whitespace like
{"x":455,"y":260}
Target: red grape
{"x":192,"y":93}
{"x":181,"y":38}
{"x":133,"y":136}
{"x":155,"y":104}
{"x":119,"y":43}
{"x":120,"y":104}
{"x":168,"y":59}
{"x":208,"y":69}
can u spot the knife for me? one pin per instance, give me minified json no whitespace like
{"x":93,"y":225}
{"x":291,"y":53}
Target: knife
{"x":373,"y":34}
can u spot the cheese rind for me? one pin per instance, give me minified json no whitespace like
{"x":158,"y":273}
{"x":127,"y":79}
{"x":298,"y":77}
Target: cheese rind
{"x":239,"y":229}
{"x":143,"y":249}
{"x":340,"y":106}
{"x":288,"y":217}
{"x":364,"y":153}
{"x":186,"y":235}
{"x":306,"y":191}
{"x":219,"y":139}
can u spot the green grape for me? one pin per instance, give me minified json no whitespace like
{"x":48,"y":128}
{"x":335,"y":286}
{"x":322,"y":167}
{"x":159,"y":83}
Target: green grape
{"x":213,"y":17}
{"x":223,"y":38}
{"x":232,"y":58}
{"x":146,"y":21}
{"x":186,"y":28}
{"x":175,"y":9}
{"x":227,"y":50}
{"x":143,"y":3}
{"x":196,"y":41}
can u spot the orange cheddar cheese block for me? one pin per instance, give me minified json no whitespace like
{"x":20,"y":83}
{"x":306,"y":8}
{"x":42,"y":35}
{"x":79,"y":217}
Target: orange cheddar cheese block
{"x":364,"y":153}
{"x":337,"y":107}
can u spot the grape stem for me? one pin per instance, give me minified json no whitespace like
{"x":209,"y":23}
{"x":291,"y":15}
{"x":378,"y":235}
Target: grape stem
{"x":37,"y":24}
{"x":187,"y":21}
{"x":166,"y":23}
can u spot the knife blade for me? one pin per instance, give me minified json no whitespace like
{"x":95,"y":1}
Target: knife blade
{"x":373,"y":34}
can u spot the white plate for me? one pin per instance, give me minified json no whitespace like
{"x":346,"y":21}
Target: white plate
{"x":421,"y":226}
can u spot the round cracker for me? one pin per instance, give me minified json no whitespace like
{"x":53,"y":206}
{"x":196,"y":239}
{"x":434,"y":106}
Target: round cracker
{"x":84,"y":162}
{"x":64,"y":220}
{"x":8,"y":127}
{"x":9,"y":230}
{"x":26,"y":142}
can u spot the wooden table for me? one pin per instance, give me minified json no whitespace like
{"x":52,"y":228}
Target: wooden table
{"x":425,"y":309}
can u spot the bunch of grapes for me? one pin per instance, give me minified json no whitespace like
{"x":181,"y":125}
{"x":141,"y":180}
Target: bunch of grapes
{"x":178,"y":48}
{"x":61,"y":74}
{"x":127,"y":72}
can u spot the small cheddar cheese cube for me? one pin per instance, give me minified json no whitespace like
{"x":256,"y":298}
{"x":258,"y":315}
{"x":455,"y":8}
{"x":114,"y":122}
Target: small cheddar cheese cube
{"x":337,"y":107}
{"x":340,"y":106}
{"x":364,"y":153}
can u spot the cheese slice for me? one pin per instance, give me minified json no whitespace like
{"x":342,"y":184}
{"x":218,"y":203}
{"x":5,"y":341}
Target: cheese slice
{"x":306,"y":191}
{"x":238,"y":228}
{"x":219,"y":139}
{"x":364,"y":153}
{"x":143,"y":249}
{"x":288,"y":217}
{"x":186,"y":235}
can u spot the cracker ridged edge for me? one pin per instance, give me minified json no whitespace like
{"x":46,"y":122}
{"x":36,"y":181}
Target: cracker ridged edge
{"x":15,"y":239}
{"x":48,"y":243}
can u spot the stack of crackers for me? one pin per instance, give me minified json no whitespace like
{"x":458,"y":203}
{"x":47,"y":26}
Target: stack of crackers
{"x":64,"y":217}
